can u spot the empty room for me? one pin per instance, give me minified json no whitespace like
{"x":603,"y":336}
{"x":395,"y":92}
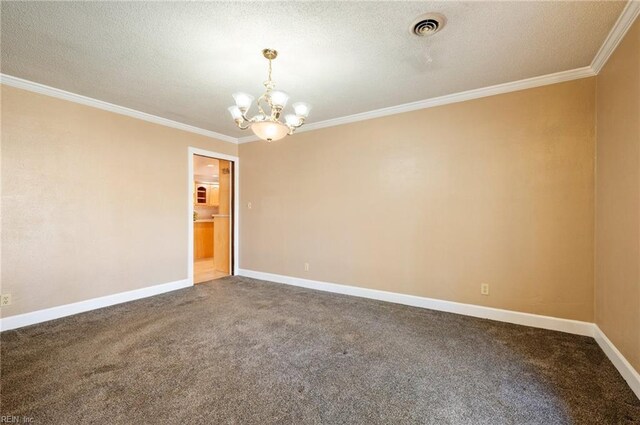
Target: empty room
{"x":320,"y":212}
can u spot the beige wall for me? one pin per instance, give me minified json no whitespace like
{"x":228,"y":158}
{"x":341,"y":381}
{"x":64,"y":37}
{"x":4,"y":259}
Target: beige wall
{"x":432,"y":203}
{"x":93,"y":203}
{"x":618,"y":198}
{"x":435,"y":202}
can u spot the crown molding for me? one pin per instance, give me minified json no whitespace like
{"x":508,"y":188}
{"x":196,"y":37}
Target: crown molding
{"x":88,"y":101}
{"x":253,"y":138}
{"x":617,"y":33}
{"x":528,"y":83}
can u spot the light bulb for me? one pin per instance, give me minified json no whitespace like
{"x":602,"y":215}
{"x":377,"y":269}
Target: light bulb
{"x":243,"y":100}
{"x":302,"y":109}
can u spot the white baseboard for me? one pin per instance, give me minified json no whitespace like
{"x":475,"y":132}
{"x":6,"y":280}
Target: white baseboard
{"x":527,"y":319}
{"x":20,"y":320}
{"x":624,"y":367}
{"x":534,"y":320}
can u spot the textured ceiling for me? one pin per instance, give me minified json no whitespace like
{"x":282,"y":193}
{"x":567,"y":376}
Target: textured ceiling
{"x":183,"y":60}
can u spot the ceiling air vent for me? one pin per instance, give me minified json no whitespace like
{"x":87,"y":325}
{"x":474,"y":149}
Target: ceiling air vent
{"x":427,"y":24}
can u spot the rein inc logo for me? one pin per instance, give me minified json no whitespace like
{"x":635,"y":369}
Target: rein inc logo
{"x":16,"y":419}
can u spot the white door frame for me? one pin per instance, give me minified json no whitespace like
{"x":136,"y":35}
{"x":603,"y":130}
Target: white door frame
{"x":236,"y":206}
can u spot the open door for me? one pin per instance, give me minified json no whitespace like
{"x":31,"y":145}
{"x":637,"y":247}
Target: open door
{"x":213,"y":194}
{"x":222,"y":221}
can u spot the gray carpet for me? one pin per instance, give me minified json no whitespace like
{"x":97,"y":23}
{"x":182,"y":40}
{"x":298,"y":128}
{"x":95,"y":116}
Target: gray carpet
{"x":242,"y":351}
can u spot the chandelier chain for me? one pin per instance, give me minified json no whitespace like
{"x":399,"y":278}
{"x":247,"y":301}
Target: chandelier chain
{"x":265,"y":97}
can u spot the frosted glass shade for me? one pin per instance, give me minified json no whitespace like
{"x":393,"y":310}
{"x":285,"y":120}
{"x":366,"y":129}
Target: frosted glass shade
{"x":292,"y":120}
{"x":279,"y":99}
{"x":302,"y":109}
{"x":243,"y":100}
{"x":269,"y":130}
{"x":235,"y":112}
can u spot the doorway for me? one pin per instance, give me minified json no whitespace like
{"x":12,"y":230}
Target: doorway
{"x":212,"y":206}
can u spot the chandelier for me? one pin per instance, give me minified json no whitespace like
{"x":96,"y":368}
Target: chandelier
{"x":267,"y":124}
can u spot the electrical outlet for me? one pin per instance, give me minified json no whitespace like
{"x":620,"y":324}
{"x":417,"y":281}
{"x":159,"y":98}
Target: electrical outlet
{"x":306,"y":267}
{"x":5,"y":299}
{"x":484,"y":289}
{"x":249,"y":205}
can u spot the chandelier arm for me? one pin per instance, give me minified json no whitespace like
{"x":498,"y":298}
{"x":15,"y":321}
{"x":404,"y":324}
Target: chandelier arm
{"x":239,"y":124}
{"x":262,"y":99}
{"x":294,"y":126}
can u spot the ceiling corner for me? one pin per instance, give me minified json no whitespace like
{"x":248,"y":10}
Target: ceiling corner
{"x":617,"y":33}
